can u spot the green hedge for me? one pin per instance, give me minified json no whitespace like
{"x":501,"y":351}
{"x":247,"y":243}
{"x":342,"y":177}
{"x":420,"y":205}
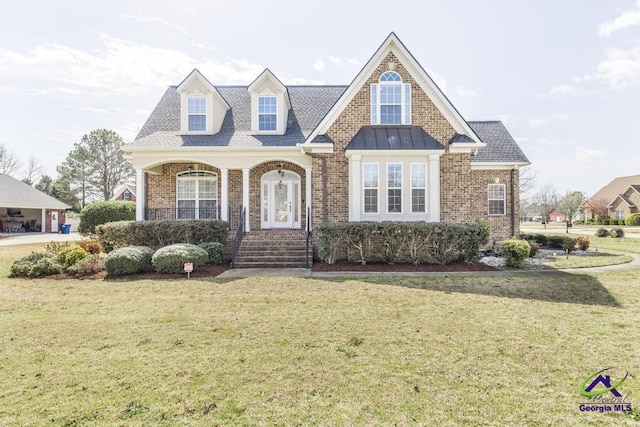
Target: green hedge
{"x":129,"y":260}
{"x":515,"y":251}
{"x":100,"y":213}
{"x":157,"y":234}
{"x":171,"y":259}
{"x":632,"y":219}
{"x":215,"y":251}
{"x":396,"y":242}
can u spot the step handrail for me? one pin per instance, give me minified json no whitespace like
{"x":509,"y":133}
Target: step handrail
{"x":307,"y":236}
{"x":237,"y":239}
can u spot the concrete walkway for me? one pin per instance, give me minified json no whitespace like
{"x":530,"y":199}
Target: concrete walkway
{"x":9,"y":239}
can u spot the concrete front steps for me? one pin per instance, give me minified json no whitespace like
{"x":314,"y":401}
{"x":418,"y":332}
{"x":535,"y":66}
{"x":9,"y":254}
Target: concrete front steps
{"x":273,"y":249}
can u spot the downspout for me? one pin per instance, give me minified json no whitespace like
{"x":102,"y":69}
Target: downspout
{"x":325,"y":212}
{"x":513,"y":204}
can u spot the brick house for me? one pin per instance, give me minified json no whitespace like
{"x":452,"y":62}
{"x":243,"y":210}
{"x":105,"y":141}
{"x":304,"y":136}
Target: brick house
{"x":125,"y":192}
{"x":615,"y":200}
{"x":388,"y":147}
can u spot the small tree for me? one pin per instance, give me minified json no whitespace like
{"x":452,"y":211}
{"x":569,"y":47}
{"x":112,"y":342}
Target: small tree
{"x":570,"y":204}
{"x":547,"y":199}
{"x":599,"y":207}
{"x":9,"y":162}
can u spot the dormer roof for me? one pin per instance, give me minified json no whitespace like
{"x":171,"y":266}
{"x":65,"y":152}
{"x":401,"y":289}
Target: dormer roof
{"x":267,"y":79}
{"x":194,"y":81}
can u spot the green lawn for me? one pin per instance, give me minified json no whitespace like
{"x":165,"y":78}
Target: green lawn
{"x":511,"y":349}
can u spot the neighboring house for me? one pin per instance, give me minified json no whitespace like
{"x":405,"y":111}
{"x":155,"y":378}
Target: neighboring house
{"x":125,"y":192}
{"x":23,"y":208}
{"x":557,"y":216}
{"x":617,"y":199}
{"x":388,"y":147}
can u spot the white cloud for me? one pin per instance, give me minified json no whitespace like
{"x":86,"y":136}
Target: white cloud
{"x":536,"y":122}
{"x":621,"y":67}
{"x":585,"y":155}
{"x":156,"y":20}
{"x":562,"y":89}
{"x":339,"y":62}
{"x":626,"y":19}
{"x":319,"y":65}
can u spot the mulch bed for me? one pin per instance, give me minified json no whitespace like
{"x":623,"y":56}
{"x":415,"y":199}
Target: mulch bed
{"x":386,"y":268}
{"x":206,"y":271}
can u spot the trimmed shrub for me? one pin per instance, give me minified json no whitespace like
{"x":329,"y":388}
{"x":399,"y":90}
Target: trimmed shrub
{"x":21,"y":267}
{"x":391,"y":242}
{"x":157,"y":234}
{"x":534,"y":249}
{"x":103,"y":212}
{"x":617,"y":233}
{"x":515,"y":252}
{"x":540,"y":239}
{"x":602,"y":232}
{"x":569,"y":244}
{"x":90,"y":245}
{"x":632,"y":219}
{"x":582,"y":243}
{"x":129,"y":260}
{"x":605,"y":221}
{"x":171,"y":259}
{"x":527,"y":237}
{"x":71,"y":255}
{"x":46,"y":266}
{"x":556,"y":242}
{"x":215,"y":251}
{"x":92,"y":264}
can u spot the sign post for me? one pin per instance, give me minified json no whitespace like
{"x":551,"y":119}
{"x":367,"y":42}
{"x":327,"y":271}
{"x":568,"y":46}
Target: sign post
{"x":188,"y":268}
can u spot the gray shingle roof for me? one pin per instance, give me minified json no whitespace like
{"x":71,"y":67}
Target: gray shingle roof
{"x":17,"y":194}
{"x":309,"y":105}
{"x":393,"y":138}
{"x":501,"y":147}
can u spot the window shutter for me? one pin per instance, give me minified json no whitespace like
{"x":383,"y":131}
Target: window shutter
{"x":374,"y":104}
{"x":407,"y":104}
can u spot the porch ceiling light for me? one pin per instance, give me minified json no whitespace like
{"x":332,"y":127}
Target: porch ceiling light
{"x":280,"y":171}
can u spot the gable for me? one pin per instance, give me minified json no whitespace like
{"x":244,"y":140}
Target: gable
{"x":392,"y":55}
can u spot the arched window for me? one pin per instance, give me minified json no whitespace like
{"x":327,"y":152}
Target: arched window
{"x":390,"y":100}
{"x":197,"y":195}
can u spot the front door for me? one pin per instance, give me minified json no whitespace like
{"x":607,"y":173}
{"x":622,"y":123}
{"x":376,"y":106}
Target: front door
{"x":280,"y":201}
{"x":54,"y":222}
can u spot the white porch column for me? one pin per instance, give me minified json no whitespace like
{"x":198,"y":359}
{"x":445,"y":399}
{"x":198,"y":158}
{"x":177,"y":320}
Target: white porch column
{"x":44,"y":218}
{"x":308,"y":195}
{"x":355,"y":187}
{"x":434,"y":188}
{"x":141,"y":196}
{"x":224,"y":194}
{"x":245,"y":195}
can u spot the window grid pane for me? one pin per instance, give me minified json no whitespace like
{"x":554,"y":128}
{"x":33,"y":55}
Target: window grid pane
{"x":267,"y":113}
{"x":370,"y":183}
{"x":197,"y":112}
{"x":394,"y":187}
{"x":497,"y":199}
{"x":418,"y":187}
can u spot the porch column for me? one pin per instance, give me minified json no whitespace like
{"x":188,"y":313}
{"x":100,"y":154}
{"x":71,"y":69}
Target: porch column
{"x":355,"y":187}
{"x":224,"y":196}
{"x":141,"y":195}
{"x":43,"y":222}
{"x":245,"y":195}
{"x":434,"y":187}
{"x":308,"y":196}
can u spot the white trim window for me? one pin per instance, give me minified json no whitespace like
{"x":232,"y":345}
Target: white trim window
{"x":497,"y":199}
{"x":197,"y":112}
{"x":371,"y":180}
{"x":620,"y":215}
{"x":418,"y":187}
{"x":394,"y":187}
{"x":390,"y":100}
{"x":197,"y":195}
{"x":267,"y":113}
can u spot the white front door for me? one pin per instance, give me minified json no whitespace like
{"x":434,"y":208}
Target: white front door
{"x":280,"y":200}
{"x":54,"y":222}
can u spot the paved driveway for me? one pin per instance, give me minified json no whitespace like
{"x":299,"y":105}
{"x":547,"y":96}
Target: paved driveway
{"x":8,"y":239}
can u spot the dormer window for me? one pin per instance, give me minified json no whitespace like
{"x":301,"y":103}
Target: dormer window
{"x":267,"y":113}
{"x":390,"y":100}
{"x":197,"y":106}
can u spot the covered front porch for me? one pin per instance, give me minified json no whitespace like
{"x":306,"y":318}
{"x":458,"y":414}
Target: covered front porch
{"x":275,"y":193}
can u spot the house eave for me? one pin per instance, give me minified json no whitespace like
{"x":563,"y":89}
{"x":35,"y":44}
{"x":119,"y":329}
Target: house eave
{"x":498,"y":165}
{"x":394,"y":153}
{"x":461,"y":147}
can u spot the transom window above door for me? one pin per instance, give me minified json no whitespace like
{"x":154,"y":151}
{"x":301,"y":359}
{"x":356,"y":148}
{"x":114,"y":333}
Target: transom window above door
{"x":390,"y":100}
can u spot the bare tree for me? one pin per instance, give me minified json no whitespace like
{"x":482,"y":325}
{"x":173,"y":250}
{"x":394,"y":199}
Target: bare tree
{"x":570,"y":204}
{"x":33,"y":170}
{"x":528,"y":177}
{"x":547,"y":199}
{"x":9,"y":162}
{"x":598,"y":207}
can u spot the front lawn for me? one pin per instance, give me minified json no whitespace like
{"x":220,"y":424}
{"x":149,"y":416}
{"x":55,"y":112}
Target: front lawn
{"x":447,"y":350}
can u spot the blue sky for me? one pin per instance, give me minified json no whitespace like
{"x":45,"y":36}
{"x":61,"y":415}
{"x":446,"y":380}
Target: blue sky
{"x":564,"y":76}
